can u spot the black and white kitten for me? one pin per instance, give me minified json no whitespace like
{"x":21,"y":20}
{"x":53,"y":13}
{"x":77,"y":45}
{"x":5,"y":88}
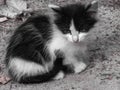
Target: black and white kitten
{"x":45,"y":46}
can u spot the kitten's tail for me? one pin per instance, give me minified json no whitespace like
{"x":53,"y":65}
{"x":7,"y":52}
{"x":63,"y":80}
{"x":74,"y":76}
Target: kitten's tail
{"x":44,"y":77}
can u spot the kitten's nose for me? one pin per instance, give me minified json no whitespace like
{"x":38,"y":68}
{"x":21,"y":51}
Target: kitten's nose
{"x":75,"y":38}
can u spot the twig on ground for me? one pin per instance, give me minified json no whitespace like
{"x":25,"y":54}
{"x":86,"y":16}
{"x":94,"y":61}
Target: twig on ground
{"x":4,"y":79}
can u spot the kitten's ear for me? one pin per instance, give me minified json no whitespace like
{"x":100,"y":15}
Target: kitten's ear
{"x":55,"y":8}
{"x":92,"y":7}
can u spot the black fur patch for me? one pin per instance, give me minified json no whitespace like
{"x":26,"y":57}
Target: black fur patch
{"x":28,"y":41}
{"x":80,"y":15}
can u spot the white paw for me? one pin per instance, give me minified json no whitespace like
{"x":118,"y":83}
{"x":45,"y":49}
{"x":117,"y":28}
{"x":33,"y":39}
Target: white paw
{"x":59,"y":76}
{"x":80,"y":67}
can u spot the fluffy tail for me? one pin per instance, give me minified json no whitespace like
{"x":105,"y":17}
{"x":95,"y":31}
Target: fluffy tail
{"x":44,"y":77}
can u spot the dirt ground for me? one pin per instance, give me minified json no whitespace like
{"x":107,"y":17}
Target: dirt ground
{"x":103,"y":45}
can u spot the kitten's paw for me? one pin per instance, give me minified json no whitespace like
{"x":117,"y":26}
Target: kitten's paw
{"x":59,"y":76}
{"x":79,"y":67}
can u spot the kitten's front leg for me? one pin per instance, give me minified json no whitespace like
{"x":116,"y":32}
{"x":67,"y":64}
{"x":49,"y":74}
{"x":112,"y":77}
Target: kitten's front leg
{"x":60,"y":56}
{"x":80,"y":63}
{"x":75,"y":66}
{"x":76,"y":61}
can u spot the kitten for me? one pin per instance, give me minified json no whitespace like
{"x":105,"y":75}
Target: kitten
{"x":46,"y":46}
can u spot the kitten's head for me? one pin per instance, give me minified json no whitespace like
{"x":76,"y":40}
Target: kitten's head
{"x":75,"y":20}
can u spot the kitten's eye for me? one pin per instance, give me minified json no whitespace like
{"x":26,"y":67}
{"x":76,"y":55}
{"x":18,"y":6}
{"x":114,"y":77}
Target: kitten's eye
{"x":66,"y":31}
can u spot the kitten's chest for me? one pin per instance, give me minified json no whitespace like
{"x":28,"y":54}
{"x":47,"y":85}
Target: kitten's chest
{"x":58,"y":42}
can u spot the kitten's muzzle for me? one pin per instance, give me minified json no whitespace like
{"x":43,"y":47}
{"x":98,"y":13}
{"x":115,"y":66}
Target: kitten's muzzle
{"x":75,"y":38}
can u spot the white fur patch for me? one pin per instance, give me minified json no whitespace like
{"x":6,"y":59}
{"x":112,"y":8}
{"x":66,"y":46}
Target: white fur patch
{"x":21,"y":67}
{"x":53,"y":6}
{"x":59,"y":76}
{"x":79,"y":67}
{"x":82,"y":36}
{"x":78,"y":38}
{"x":57,"y":42}
{"x":75,"y":38}
{"x":69,"y":37}
{"x":93,"y":2}
{"x":73,"y":29}
{"x":74,"y":32}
